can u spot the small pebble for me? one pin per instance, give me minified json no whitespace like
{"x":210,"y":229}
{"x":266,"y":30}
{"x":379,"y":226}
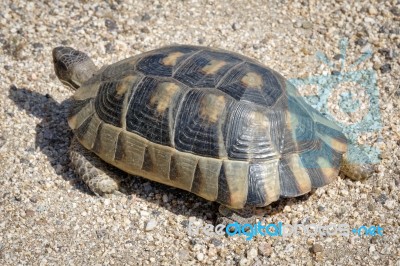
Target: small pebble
{"x":200,"y":256}
{"x":151,"y":225}
{"x":297,"y":24}
{"x":145,"y":30}
{"x":372,"y":10}
{"x":361,"y":42}
{"x":307,"y":25}
{"x":111,"y":25}
{"x":385,"y":68}
{"x":316,"y":248}
{"x":265,"y":249}
{"x":146,"y":17}
{"x":235,"y":26}
{"x":371,"y":207}
{"x":29,"y":213}
{"x":338,"y":57}
{"x":251,"y":254}
{"x":390,"y":204}
{"x":183,"y":255}
{"x":395,"y":10}
{"x":165,"y":198}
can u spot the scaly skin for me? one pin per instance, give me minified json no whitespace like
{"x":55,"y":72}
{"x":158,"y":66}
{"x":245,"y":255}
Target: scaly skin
{"x":92,"y":170}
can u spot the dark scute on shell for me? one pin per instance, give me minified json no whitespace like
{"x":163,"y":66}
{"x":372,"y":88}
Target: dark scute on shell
{"x":109,"y":104}
{"x":153,"y":63}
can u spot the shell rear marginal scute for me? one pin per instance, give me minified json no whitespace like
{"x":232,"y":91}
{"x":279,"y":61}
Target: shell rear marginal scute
{"x":294,"y":178}
{"x":233,"y":184}
{"x":322,"y":164}
{"x":152,"y":109}
{"x":264,"y":184}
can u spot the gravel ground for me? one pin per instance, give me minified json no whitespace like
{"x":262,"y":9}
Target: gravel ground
{"x":47,"y":215}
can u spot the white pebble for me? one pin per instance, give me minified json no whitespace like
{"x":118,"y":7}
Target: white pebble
{"x":200,"y":256}
{"x":151,"y":225}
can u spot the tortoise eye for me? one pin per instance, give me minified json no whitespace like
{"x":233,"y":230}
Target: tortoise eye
{"x":61,"y":65}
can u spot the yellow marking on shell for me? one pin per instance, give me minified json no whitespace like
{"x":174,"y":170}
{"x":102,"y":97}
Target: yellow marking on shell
{"x":252,"y":80}
{"x":161,"y":160}
{"x":335,"y":144}
{"x":236,"y":173}
{"x":106,"y":142}
{"x":259,"y":120}
{"x":125,"y":84}
{"x":300,"y":173}
{"x":270,"y":175}
{"x":133,"y":148}
{"x":87,"y":91}
{"x":292,"y":122}
{"x":213,"y":66}
{"x":327,"y":170}
{"x":208,"y":178}
{"x":89,"y":139}
{"x":185,"y":170}
{"x":171,"y":59}
{"x":163,"y":95}
{"x":77,"y":120}
{"x":211,"y":107}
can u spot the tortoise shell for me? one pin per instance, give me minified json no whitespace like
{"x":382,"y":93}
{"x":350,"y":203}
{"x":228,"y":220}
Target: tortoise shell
{"x":209,"y":121}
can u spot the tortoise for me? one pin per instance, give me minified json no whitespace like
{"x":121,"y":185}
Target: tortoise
{"x":215,"y":123}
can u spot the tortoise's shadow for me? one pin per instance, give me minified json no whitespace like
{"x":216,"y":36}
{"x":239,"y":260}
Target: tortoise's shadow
{"x":53,"y":137}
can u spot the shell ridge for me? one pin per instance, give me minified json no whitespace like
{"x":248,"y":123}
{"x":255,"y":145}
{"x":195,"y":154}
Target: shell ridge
{"x":182,"y":63}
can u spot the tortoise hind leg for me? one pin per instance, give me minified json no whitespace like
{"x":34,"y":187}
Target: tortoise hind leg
{"x":92,"y":170}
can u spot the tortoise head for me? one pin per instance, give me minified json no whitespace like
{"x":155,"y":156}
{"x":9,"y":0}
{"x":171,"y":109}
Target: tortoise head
{"x":72,"y":67}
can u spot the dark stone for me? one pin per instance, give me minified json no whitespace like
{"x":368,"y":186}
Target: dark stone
{"x":111,"y":25}
{"x":146,"y":17}
{"x":109,"y":48}
{"x":395,"y":10}
{"x":145,"y":30}
{"x":338,"y":57}
{"x":385,"y":68}
{"x":361,"y":42}
{"x":235,"y":26}
{"x":185,"y":223}
{"x":216,"y":242}
{"x":381,"y":199}
{"x":317,"y":248}
{"x":37,"y":45}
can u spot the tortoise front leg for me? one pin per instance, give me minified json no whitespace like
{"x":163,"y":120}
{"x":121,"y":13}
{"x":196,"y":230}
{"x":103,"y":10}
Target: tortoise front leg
{"x":92,"y":170}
